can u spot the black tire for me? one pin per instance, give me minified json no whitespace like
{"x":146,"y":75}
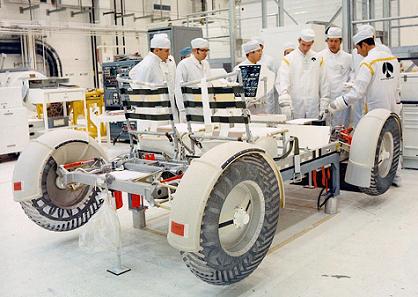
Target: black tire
{"x":61,"y":209}
{"x":215,"y":265}
{"x":380,"y":184}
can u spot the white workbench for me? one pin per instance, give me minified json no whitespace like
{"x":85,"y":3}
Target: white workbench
{"x":106,"y":118}
{"x":57,"y":95}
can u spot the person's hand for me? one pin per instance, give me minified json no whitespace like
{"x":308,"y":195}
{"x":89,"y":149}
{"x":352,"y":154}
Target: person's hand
{"x":323,"y":115}
{"x":287,"y":111}
{"x":285,"y":103}
{"x":348,"y":86}
{"x":337,"y":105}
{"x":285,"y":100}
{"x":323,"y":104}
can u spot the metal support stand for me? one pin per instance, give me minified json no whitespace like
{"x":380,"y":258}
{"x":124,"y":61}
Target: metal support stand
{"x":119,"y":268}
{"x":331,"y":206}
{"x":138,"y":218}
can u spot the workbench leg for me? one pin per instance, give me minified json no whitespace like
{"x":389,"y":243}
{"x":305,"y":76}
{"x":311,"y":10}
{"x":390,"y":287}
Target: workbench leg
{"x":99,"y":132}
{"x":86,"y":116}
{"x":108,"y":132}
{"x":45,"y":111}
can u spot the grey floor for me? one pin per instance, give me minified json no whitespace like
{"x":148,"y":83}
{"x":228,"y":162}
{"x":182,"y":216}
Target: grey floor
{"x":369,"y":248}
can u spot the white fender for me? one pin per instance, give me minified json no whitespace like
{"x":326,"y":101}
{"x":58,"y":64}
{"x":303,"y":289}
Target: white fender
{"x":195,"y":187}
{"x":363,"y":147}
{"x":27,"y":173}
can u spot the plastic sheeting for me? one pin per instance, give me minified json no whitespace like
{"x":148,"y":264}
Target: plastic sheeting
{"x":102,"y":232}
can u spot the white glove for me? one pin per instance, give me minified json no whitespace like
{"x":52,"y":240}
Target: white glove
{"x":285,"y":103}
{"x":287,"y":111}
{"x":323,"y":104}
{"x":337,"y":105}
{"x":348,"y":86}
{"x":323,"y":115}
{"x":285,"y":100}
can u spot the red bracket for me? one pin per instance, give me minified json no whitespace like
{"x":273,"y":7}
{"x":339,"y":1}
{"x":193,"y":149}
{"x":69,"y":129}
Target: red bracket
{"x":118,"y":199}
{"x":345,"y":135}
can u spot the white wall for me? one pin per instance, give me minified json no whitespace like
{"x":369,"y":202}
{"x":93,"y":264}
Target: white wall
{"x":409,"y":36}
{"x":75,"y":52}
{"x":302,"y":10}
{"x":73,"y":49}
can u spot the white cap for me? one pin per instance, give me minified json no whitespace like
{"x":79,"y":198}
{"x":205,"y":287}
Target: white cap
{"x":199,"y":43}
{"x":160,"y":42}
{"x":367,"y":27}
{"x":289,"y":45}
{"x":334,"y":32}
{"x":259,"y":40}
{"x":307,"y":35}
{"x":362,"y":35}
{"x":250,"y":46}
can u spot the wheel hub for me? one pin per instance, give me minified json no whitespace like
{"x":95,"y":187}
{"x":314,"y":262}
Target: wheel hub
{"x":60,"y":183}
{"x":385,"y":155}
{"x":241,"y":217}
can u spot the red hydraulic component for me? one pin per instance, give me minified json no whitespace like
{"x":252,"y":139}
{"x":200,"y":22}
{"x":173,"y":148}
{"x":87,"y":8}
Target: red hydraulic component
{"x":150,"y":157}
{"x":118,"y":199}
{"x":326,"y":176}
{"x":77,"y":164}
{"x":315,"y":182}
{"x":345,"y":135}
{"x":179,"y":176}
{"x":136,"y":201}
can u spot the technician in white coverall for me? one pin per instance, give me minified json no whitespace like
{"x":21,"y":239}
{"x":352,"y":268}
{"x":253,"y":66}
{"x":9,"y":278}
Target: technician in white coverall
{"x":338,"y":65}
{"x":304,"y":89}
{"x":266,"y":60}
{"x":170,"y":60}
{"x":287,"y":49}
{"x":192,"y":68}
{"x":377,"y":80}
{"x":156,"y":67}
{"x":357,"y":110}
{"x":253,"y":53}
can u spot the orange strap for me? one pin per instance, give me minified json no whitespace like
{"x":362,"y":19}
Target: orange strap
{"x":326,"y":176}
{"x":315,"y":183}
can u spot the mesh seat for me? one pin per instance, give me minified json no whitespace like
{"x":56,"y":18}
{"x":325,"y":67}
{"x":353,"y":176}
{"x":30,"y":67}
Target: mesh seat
{"x":151,"y":108}
{"x":225,"y":107}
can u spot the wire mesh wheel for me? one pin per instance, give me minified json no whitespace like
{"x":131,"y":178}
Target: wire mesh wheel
{"x":239,"y":222}
{"x":386,"y":158}
{"x":63,"y":208}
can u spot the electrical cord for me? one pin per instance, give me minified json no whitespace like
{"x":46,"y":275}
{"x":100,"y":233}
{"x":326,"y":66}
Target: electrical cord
{"x":328,"y":194}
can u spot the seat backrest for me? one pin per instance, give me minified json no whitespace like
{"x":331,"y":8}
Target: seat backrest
{"x":148,"y":104}
{"x":226,"y":105}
